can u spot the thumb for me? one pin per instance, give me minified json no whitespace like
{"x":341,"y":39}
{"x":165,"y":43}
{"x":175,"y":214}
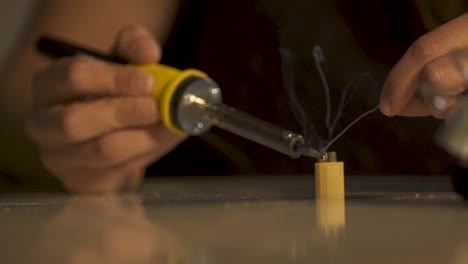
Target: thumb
{"x":135,"y":44}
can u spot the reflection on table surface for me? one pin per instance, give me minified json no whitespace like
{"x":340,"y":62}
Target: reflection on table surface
{"x":239,"y":221}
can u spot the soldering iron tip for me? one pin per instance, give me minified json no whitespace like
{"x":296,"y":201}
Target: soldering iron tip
{"x":311,"y":152}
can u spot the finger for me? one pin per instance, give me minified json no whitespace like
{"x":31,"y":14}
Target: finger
{"x":81,"y":77}
{"x":446,"y":76}
{"x":440,"y":106}
{"x":417,"y":107}
{"x":443,"y":80}
{"x":403,"y":80}
{"x":136,"y":44}
{"x":79,"y":122}
{"x":116,"y":148}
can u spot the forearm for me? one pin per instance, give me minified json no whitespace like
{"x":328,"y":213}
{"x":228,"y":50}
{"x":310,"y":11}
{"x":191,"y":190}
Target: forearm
{"x":93,"y":23}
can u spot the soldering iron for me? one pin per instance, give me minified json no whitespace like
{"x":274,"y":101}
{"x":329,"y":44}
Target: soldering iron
{"x":190,"y":102}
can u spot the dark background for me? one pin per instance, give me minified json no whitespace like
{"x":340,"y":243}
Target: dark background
{"x":238,"y":45}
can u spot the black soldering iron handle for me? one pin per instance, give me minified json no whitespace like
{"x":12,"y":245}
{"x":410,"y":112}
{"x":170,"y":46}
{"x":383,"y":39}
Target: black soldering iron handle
{"x":56,"y":48}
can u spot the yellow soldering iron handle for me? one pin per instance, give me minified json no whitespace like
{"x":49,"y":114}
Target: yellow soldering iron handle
{"x":167,"y":81}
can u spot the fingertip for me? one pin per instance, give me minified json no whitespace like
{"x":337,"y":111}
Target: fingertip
{"x":388,"y":103}
{"x":385,"y":109}
{"x":385,"y":106}
{"x":135,"y":43}
{"x":146,"y":52}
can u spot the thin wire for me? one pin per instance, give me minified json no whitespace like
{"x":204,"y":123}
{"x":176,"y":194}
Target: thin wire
{"x":350,"y":88}
{"x":344,"y":102}
{"x":349,"y":126}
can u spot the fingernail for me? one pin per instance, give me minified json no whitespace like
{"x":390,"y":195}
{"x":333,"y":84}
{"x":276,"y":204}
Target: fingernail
{"x":440,"y":103}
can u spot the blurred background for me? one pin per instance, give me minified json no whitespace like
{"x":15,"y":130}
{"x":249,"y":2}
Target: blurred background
{"x":13,"y":17}
{"x":242,"y":55}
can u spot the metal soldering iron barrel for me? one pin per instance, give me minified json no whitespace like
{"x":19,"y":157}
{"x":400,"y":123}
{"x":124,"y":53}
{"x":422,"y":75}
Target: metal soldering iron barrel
{"x":250,"y":127}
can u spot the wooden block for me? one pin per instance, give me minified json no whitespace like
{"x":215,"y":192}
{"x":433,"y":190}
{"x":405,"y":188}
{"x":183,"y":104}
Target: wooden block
{"x":330,"y":194}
